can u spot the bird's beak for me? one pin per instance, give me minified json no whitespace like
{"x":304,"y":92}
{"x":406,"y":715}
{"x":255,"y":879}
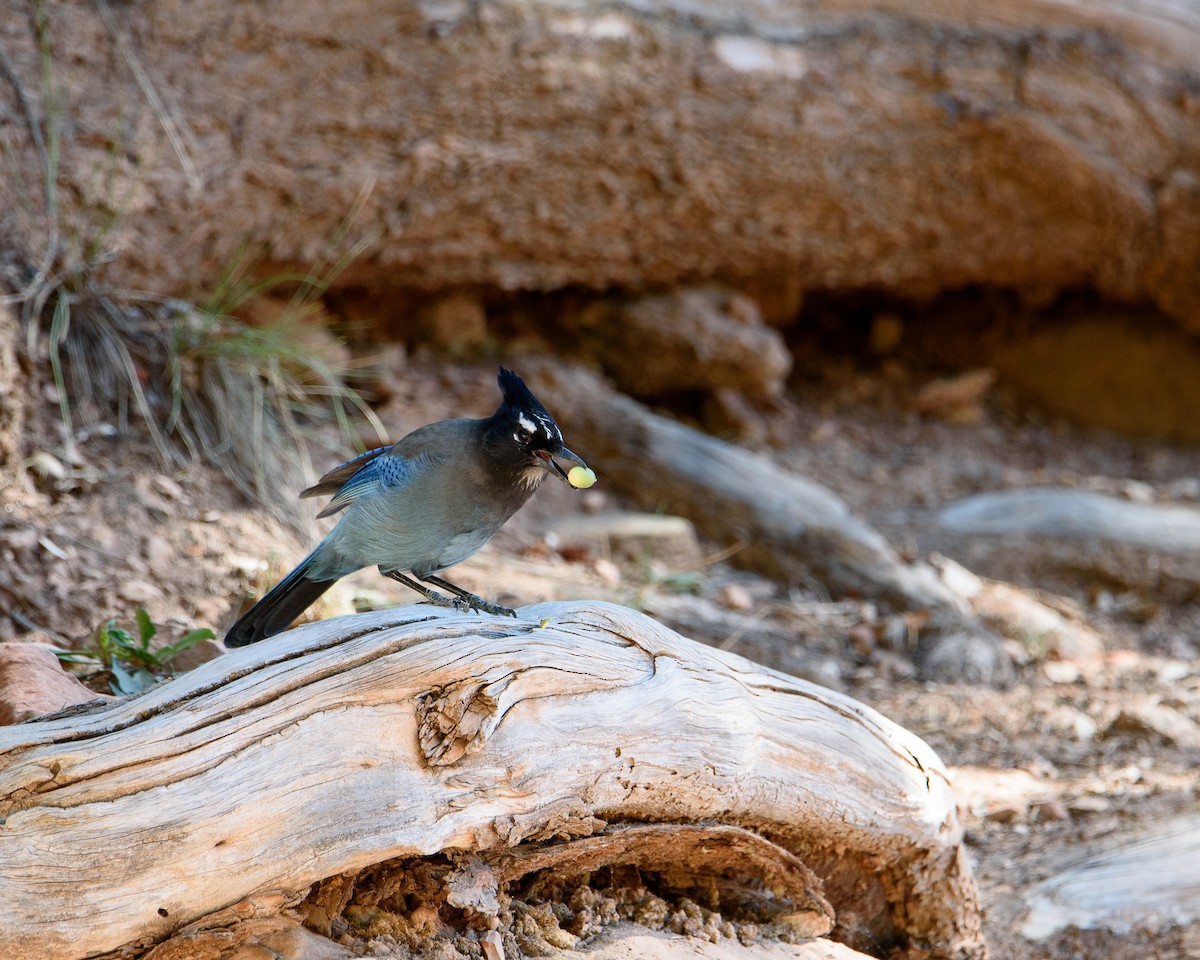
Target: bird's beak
{"x":549,"y":463}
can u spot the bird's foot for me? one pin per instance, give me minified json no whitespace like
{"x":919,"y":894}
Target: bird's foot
{"x":493,"y":608}
{"x":472,"y":600}
{"x":454,"y":603}
{"x":468,"y":603}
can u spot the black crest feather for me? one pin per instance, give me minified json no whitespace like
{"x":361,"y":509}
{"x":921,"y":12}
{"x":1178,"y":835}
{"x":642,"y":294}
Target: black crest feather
{"x":516,"y":394}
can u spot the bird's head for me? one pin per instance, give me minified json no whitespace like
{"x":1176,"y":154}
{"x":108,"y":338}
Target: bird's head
{"x":522,"y":436}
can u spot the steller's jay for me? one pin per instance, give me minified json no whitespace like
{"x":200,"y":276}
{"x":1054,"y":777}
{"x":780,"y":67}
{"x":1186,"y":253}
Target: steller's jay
{"x":422,"y":505}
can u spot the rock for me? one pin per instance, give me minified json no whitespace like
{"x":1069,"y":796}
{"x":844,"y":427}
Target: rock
{"x":167,"y":487}
{"x":633,"y":536}
{"x":46,"y":466}
{"x":962,"y":654}
{"x":735,"y":596}
{"x":1185,"y":488}
{"x":608,"y":572}
{"x":1067,"y":720}
{"x":1156,"y":721}
{"x":957,"y":399}
{"x":20,"y":538}
{"x":33,"y":683}
{"x":139,"y":591}
{"x":1089,"y":804}
{"x":697,"y":340}
{"x":727,"y":413}
{"x":630,"y":150}
{"x":493,"y":945}
{"x":157,"y":551}
{"x":1060,"y":671}
{"x":1051,"y":811}
{"x":1137,"y":491}
{"x":100,"y":533}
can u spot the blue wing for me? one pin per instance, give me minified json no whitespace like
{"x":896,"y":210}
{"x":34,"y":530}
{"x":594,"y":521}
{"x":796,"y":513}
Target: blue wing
{"x":362,"y":476}
{"x":332,"y":481}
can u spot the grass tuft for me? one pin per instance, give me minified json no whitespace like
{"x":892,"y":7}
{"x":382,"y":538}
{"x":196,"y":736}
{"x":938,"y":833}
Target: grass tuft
{"x":207,"y":384}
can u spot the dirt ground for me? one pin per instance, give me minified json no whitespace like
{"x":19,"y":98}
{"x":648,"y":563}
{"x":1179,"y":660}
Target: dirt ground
{"x":1049,"y":771}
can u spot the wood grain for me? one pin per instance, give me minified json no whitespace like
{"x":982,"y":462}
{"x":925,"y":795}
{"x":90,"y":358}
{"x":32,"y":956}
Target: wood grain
{"x":413,"y":731}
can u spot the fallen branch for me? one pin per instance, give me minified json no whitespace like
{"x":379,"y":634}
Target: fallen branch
{"x":792,"y":527}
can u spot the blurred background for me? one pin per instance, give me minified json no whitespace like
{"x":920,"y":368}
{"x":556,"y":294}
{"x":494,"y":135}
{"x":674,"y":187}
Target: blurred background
{"x":928,"y":272}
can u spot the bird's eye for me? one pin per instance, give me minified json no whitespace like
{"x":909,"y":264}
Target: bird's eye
{"x":522,"y":436}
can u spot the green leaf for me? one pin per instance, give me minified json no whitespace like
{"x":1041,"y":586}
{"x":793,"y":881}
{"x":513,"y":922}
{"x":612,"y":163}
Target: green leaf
{"x":75,"y":656}
{"x":113,"y":641}
{"x":102,"y":634}
{"x":139,"y":655}
{"x":146,"y":627}
{"x":126,"y":682}
{"x":116,"y":636}
{"x":186,"y":642}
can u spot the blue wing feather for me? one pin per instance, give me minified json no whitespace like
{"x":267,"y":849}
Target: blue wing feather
{"x":359,"y":477}
{"x":332,"y":481}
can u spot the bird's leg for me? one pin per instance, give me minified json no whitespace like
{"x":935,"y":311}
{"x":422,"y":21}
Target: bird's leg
{"x":436,"y":599}
{"x":473,"y":601}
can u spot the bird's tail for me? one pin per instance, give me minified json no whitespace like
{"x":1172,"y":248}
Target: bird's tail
{"x":275,"y":612}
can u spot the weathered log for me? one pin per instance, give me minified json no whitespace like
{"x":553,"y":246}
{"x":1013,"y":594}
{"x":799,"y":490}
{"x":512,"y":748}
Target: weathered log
{"x":1063,"y":513}
{"x":1042,"y":534}
{"x":1148,"y":880}
{"x":408,"y":732}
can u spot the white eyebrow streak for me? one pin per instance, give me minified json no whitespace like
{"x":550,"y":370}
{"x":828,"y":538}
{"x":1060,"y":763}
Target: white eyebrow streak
{"x":526,"y":423}
{"x":551,"y":428}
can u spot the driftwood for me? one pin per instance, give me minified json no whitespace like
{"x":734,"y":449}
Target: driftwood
{"x":414,"y":731}
{"x":1149,"y":882}
{"x":1040,"y":532}
{"x":789,"y":527}
{"x":1061,"y":513}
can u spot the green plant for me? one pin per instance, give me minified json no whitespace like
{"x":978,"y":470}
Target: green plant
{"x":128,"y":663}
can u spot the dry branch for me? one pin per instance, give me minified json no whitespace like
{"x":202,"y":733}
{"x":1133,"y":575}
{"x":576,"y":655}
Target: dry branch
{"x":415,"y":731}
{"x":790,"y":527}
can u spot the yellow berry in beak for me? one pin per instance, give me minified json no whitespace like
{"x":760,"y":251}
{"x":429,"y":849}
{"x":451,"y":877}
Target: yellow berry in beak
{"x":581,"y":477}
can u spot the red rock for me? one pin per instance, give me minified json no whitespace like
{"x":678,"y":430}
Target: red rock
{"x":33,"y":683}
